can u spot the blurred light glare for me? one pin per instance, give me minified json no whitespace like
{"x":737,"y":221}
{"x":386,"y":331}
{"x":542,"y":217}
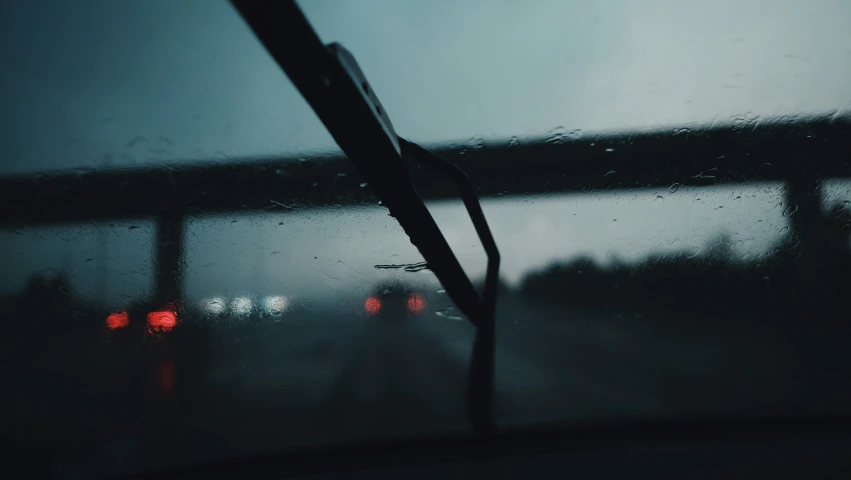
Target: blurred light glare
{"x":416,"y":303}
{"x":166,"y":377}
{"x":372,"y":306}
{"x":117,"y":320}
{"x":275,"y":305}
{"x":213,"y":306}
{"x":163,"y":320}
{"x":241,"y":306}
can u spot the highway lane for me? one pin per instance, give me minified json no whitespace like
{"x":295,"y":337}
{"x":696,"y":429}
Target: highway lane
{"x":336,"y":378}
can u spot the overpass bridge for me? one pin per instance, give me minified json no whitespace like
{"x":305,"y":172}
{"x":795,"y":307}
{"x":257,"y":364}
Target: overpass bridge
{"x":799,"y":154}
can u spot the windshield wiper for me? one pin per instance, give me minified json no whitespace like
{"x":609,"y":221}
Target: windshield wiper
{"x":331,"y":81}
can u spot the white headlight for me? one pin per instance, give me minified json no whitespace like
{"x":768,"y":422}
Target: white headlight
{"x":275,"y":305}
{"x":213,"y":306}
{"x":241,"y":306}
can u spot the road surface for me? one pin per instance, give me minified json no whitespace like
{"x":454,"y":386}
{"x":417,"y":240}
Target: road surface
{"x":334,"y":377}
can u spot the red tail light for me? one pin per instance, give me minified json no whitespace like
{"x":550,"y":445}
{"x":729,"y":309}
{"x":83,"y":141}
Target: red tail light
{"x":117,"y":320}
{"x":372,"y":306}
{"x":162,"y":321}
{"x":416,"y":303}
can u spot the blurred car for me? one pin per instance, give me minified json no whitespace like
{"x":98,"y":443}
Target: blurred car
{"x":139,"y":319}
{"x":395,"y":299}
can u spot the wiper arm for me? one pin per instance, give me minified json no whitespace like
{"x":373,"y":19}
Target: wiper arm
{"x":333,"y":84}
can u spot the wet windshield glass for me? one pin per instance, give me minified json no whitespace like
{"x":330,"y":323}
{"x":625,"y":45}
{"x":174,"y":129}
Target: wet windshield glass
{"x":191,"y":271}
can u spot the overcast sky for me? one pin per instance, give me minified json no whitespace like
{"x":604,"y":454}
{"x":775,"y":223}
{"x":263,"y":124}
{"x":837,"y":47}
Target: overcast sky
{"x":102,"y":82}
{"x":136,"y":82}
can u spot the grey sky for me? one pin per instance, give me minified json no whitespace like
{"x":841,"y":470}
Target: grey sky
{"x":156,"y":81}
{"x":100,"y":82}
{"x":498,"y":69}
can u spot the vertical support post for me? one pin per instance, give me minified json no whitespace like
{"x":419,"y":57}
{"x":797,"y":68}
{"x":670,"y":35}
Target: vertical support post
{"x":102,"y":257}
{"x":169,"y":258}
{"x":811,"y":259}
{"x":803,"y":207}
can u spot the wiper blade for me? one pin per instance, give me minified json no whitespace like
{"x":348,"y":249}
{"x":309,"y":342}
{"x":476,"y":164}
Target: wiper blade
{"x":331,"y":81}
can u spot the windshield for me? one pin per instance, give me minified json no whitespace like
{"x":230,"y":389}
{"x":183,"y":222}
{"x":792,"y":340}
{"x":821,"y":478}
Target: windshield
{"x":192,"y":270}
